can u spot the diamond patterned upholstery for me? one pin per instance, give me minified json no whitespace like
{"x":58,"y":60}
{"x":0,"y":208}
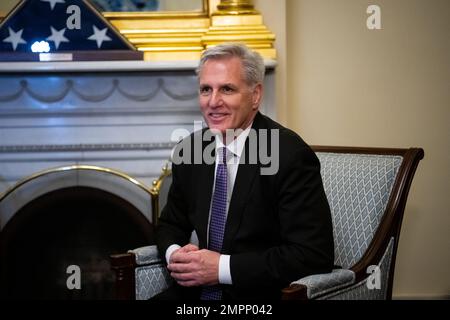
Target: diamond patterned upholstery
{"x":367,"y":190}
{"x":358,"y":188}
{"x":151,"y":275}
{"x":151,"y":280}
{"x":322,"y":283}
{"x":361,"y":291}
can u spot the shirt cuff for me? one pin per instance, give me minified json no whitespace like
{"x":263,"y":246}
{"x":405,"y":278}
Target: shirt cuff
{"x":170,"y":250}
{"x":224,"y":269}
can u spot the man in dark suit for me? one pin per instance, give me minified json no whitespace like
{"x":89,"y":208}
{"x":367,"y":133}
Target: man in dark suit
{"x":260,"y":225}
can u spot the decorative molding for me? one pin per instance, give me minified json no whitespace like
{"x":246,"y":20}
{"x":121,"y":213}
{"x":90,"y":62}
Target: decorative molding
{"x":88,"y":147}
{"x":236,"y":7}
{"x":115,"y":87}
{"x":102,"y":125}
{"x":97,"y":66}
{"x":95,"y":112}
{"x":85,"y":159}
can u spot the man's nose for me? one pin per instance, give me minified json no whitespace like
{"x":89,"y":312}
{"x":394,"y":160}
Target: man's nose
{"x":215,"y":99}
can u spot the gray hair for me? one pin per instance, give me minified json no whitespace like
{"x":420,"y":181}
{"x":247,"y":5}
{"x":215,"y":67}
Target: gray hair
{"x":252,"y":62}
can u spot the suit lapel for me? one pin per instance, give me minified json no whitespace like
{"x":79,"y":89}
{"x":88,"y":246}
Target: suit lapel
{"x":241,"y":191}
{"x":204,"y":176}
{"x":245,"y":178}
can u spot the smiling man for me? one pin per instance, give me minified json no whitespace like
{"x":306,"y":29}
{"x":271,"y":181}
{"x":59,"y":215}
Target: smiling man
{"x":228,"y":100}
{"x":256,"y":232}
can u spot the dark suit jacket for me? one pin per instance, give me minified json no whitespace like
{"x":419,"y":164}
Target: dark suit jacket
{"x":278,"y":227}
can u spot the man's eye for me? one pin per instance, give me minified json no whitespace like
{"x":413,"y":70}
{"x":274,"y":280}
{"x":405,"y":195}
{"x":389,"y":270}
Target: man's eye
{"x":227,"y":90}
{"x":205,"y":90}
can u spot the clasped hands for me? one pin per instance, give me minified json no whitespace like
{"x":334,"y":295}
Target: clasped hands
{"x":190,"y":266}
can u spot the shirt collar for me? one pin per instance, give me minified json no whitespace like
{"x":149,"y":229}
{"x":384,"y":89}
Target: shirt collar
{"x":237,"y":145}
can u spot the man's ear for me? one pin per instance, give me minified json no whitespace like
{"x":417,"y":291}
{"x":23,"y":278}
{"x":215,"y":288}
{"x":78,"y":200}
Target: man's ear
{"x":257,"y":96}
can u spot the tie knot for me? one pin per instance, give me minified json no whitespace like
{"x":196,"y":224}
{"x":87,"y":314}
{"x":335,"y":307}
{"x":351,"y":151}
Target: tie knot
{"x":222,"y":155}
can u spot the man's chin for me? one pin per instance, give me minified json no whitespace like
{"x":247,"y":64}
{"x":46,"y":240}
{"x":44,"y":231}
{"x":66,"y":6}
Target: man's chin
{"x":216,"y":129}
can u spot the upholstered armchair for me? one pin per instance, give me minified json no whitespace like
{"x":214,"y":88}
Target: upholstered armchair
{"x":367,"y":189}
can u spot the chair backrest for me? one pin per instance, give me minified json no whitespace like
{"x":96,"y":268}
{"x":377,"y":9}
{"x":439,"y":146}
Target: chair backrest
{"x":358,"y":187}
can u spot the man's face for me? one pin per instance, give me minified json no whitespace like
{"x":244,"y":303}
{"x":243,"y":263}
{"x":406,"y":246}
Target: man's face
{"x":226,"y":100}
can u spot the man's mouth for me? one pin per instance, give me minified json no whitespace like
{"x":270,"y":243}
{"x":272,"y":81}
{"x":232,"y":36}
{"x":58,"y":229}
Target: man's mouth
{"x":217,"y":115}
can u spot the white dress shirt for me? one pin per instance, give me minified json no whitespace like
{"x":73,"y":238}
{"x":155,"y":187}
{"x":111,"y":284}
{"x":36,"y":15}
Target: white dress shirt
{"x":234,"y":152}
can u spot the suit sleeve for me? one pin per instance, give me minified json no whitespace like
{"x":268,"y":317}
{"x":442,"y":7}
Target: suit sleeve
{"x":306,"y":237}
{"x":174,"y":226}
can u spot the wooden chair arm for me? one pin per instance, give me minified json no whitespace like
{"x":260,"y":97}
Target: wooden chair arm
{"x":124,"y":265}
{"x":294,"y":292}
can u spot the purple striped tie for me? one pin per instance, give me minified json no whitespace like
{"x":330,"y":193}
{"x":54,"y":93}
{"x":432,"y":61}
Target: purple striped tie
{"x":217,"y":220}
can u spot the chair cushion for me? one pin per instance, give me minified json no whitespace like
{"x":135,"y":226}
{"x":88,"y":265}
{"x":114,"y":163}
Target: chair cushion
{"x":319,"y":284}
{"x":146,"y":255}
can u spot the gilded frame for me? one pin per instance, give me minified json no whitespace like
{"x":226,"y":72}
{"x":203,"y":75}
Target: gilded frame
{"x":161,"y":14}
{"x":205,"y":12}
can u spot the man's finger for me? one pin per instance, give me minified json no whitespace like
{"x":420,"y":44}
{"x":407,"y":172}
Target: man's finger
{"x":179,"y":267}
{"x":180,"y":257}
{"x":190,"y":283}
{"x":181,"y":276}
{"x":190,"y":247}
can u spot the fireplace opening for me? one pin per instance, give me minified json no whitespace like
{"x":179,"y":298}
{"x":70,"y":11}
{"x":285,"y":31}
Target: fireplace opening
{"x":75,"y":226}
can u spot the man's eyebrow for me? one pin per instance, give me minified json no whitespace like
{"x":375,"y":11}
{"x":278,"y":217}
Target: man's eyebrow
{"x":229,"y":85}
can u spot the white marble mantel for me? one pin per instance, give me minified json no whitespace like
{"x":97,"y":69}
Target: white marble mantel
{"x":106,"y":66}
{"x":114,"y":114}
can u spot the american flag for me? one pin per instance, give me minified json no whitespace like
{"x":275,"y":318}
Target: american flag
{"x":58,"y":25}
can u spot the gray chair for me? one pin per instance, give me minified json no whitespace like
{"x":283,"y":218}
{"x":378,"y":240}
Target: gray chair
{"x":367,"y":189}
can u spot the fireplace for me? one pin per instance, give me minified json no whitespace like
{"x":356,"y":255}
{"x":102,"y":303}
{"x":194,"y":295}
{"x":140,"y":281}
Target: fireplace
{"x":77,"y":226}
{"x":71,"y":216}
{"x":80,"y":145}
